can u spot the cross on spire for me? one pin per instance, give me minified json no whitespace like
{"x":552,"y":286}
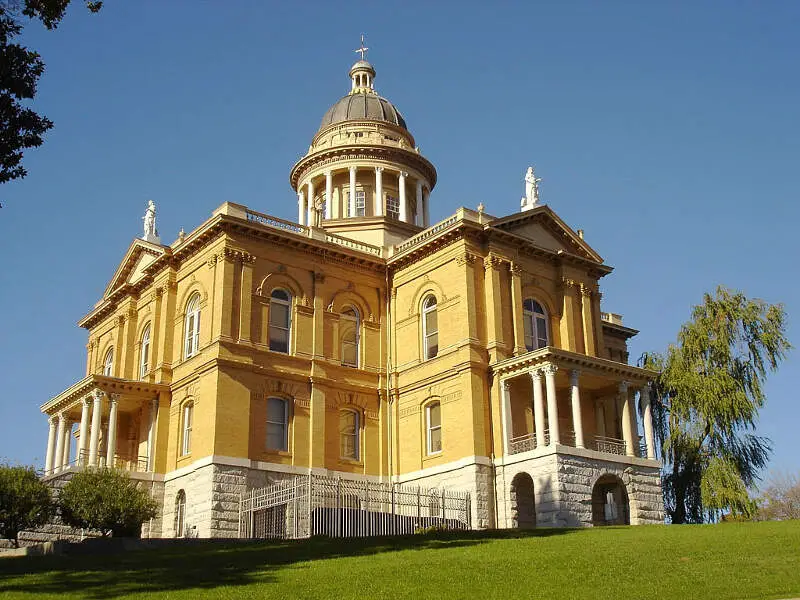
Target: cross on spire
{"x":363,"y":49}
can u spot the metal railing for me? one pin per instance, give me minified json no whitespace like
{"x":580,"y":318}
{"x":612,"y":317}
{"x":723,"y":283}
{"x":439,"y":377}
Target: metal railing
{"x":318,"y":505}
{"x":522,"y":443}
{"x":609,"y":445}
{"x":275,"y":222}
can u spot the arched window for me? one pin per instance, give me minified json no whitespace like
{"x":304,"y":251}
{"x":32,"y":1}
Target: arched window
{"x":277,"y":424}
{"x":180,"y":514}
{"x":187,"y":419}
{"x":144,"y":353}
{"x":192,"y":326}
{"x":280,"y":320}
{"x":350,"y":324}
{"x":535,"y":319}
{"x":108,"y":363}
{"x":433,"y":425}
{"x":349,"y":428}
{"x":430,"y":327}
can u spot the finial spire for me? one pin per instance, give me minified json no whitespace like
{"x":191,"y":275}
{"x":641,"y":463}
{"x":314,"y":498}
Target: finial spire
{"x":363,"y":49}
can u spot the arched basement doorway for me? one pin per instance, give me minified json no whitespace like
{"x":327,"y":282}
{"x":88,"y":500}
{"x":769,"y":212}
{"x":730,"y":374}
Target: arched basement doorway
{"x":523,"y":504}
{"x":610,"y":502}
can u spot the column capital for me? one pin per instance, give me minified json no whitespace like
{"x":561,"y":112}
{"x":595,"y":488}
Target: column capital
{"x":52,"y":419}
{"x":536,"y":373}
{"x":114,"y":398}
{"x":379,"y":169}
{"x":506,"y":384}
{"x":623,"y":387}
{"x":98,"y":395}
{"x":353,"y":169}
{"x":550,"y":369}
{"x":516,"y":270}
{"x":403,"y":174}
{"x":62,"y":418}
{"x":574,"y":375}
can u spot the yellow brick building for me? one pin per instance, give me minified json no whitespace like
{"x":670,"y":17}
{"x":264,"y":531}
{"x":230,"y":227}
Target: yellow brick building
{"x":365,"y":342}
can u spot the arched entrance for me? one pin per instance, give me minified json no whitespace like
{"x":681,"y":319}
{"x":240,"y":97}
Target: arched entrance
{"x":610,"y":502}
{"x":523,"y":504}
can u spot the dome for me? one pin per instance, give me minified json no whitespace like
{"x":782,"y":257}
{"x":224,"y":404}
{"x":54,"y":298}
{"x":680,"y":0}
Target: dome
{"x":363,"y":106}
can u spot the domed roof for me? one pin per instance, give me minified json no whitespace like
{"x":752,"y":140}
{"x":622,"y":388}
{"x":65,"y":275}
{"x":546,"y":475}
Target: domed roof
{"x":363,"y":106}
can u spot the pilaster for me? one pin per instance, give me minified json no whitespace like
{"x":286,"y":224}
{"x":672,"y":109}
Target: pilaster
{"x":495,"y":343}
{"x":587,"y":313}
{"x":246,"y":298}
{"x":516,"y":308}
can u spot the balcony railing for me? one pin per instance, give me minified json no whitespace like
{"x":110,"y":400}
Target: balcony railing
{"x":522,"y":443}
{"x":136,"y":464}
{"x":609,"y":445}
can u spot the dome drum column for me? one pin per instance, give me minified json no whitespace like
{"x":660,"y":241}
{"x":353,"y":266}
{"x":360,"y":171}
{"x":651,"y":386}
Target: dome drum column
{"x":328,"y":194}
{"x":301,"y":207}
{"x":310,"y":220}
{"x":378,"y":191}
{"x":351,"y":195}
{"x":401,"y":180}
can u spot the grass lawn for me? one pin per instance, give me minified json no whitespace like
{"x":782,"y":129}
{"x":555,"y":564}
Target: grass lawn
{"x":747,"y":560}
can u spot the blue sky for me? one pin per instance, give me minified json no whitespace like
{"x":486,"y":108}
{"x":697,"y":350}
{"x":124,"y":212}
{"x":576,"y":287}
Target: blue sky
{"x":669,"y":132}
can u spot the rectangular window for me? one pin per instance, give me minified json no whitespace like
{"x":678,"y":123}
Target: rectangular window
{"x":431,"y":334}
{"x":277,"y":424}
{"x":434,"y":428}
{"x":186,"y":447}
{"x":348,"y":434}
{"x":392,"y":207}
{"x":541,"y":332}
{"x":361,"y":203}
{"x":278,"y":330}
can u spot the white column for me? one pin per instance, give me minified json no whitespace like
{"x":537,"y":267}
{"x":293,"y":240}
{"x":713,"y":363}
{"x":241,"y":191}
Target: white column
{"x":420,"y":215}
{"x":351,"y":199}
{"x":647,"y":409}
{"x":328,"y":194}
{"x":49,"y":458}
{"x":301,"y":207}
{"x":83,"y":435}
{"x":378,"y":191}
{"x":59,"y":459}
{"x":151,"y":434}
{"x":552,"y":403}
{"x":403,"y":208}
{"x":538,"y":407}
{"x":67,"y":444}
{"x":627,"y":430}
{"x":94,"y":439}
{"x":111,"y":446}
{"x":426,"y":198}
{"x":577,"y":419}
{"x":310,"y":221}
{"x":505,"y":390}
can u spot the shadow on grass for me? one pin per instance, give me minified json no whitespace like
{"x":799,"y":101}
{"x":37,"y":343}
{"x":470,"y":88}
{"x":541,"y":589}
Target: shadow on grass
{"x":212,"y":564}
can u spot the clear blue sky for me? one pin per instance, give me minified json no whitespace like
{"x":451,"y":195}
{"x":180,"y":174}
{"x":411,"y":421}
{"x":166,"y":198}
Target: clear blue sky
{"x":668,"y":131}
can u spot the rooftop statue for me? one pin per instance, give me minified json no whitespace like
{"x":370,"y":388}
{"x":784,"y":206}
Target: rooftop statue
{"x":531,"y":199}
{"x":149,"y":218}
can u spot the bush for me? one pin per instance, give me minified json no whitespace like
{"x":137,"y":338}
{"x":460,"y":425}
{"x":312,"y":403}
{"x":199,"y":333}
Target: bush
{"x":106,"y":500}
{"x":25,"y":502}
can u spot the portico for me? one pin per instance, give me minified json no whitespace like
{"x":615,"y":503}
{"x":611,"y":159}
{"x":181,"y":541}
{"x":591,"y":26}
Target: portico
{"x":116,"y":425}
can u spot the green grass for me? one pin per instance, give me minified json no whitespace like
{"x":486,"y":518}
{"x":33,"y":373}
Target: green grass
{"x":728,"y":561}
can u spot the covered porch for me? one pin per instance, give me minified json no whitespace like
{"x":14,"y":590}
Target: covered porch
{"x":552,"y":397}
{"x":103,"y":422}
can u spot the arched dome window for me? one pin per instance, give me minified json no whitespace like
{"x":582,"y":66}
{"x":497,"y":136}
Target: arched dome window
{"x":534,"y":318}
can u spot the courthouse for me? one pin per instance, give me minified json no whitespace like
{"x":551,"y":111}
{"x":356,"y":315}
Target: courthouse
{"x":366,"y":343}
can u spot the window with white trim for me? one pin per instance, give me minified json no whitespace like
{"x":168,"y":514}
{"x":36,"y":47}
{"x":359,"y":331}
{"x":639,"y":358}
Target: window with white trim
{"x":349,"y":429}
{"x":360,"y":204}
{"x":192,"y":327}
{"x":534,"y":319}
{"x":280,"y":320}
{"x":430,"y":327}
{"x":108,"y":363}
{"x":393,"y":207}
{"x":144,"y":353}
{"x":180,"y":514}
{"x":350,"y":325}
{"x":186,"y":438}
{"x":277,"y":424}
{"x":433,"y":419}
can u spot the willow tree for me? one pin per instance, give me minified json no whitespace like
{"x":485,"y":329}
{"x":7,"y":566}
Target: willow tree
{"x":706,"y":402}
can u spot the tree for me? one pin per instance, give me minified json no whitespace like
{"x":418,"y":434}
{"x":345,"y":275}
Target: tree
{"x":106,"y":500}
{"x":22,"y":128}
{"x":25,"y":502}
{"x":706,"y":401}
{"x":780,"y":499}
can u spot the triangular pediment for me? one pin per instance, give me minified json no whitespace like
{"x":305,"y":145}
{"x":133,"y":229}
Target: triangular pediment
{"x":544,"y":227}
{"x":139,"y":256}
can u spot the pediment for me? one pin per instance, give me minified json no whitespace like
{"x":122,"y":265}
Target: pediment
{"x":544,"y":227}
{"x":139,"y":256}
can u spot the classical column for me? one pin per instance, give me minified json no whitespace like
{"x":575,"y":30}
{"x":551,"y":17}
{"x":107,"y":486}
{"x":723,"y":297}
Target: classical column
{"x":647,"y":409}
{"x":401,"y":179}
{"x":378,"y":191}
{"x":552,"y":403}
{"x":508,"y":430}
{"x":59,"y":459}
{"x":419,"y":216}
{"x":328,"y":194}
{"x":426,"y":218}
{"x":627,"y":429}
{"x":83,"y":435}
{"x":311,"y":208}
{"x":151,"y":435}
{"x":301,"y":207}
{"x":111,"y":448}
{"x":49,"y":458}
{"x":516,"y":309}
{"x":538,"y":407}
{"x":67,"y":444}
{"x":351,"y":200}
{"x":587,"y":314}
{"x":94,"y":439}
{"x":577,"y":419}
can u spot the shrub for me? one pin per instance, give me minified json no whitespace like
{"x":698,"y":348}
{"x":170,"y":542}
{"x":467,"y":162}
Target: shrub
{"x":25,"y":502}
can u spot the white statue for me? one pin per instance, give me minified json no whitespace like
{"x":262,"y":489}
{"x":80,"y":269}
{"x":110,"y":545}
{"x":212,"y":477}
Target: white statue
{"x":149,"y":218}
{"x":531,"y":199}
